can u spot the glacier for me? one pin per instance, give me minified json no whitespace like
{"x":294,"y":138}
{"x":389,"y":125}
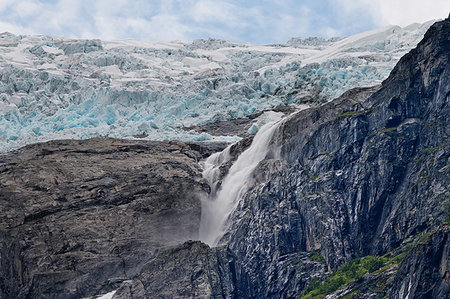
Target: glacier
{"x":56,"y":88}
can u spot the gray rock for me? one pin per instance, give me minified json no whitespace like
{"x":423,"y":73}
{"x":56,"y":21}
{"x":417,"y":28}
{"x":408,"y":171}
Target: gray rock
{"x":425,"y":272}
{"x":355,"y":177}
{"x":80,"y":217}
{"x":190,"y":270}
{"x":238,"y":126}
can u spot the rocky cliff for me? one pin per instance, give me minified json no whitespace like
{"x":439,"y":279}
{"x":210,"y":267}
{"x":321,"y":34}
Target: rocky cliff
{"x":351,"y":200}
{"x":354,"y":204}
{"x":79,"y":217}
{"x":357,"y":178}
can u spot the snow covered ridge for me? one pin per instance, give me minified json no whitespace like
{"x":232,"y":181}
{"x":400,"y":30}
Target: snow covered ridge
{"x":54,"y":88}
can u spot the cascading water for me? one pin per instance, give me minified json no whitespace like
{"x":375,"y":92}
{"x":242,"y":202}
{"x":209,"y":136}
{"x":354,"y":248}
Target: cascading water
{"x":223,"y":201}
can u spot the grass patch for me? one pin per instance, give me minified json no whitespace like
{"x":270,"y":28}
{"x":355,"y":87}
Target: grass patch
{"x":430,"y":149}
{"x":387,"y":130}
{"x":317,"y":257}
{"x":350,"y":113}
{"x":424,"y":239}
{"x":447,"y":210}
{"x":313,"y":178}
{"x":351,"y":271}
{"x":435,"y":148}
{"x":348,"y":296}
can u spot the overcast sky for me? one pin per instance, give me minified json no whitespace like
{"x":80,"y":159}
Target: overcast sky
{"x":255,"y":21}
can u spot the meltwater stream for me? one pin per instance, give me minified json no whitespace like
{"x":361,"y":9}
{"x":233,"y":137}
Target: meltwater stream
{"x":224,"y":200}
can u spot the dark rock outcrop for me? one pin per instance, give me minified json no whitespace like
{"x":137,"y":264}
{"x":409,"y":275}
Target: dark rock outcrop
{"x":79,"y":217}
{"x":355,"y":178}
{"x":190,"y":270}
{"x":238,"y":126}
{"x":425,"y":272}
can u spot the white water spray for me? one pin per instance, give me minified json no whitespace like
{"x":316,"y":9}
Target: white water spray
{"x":222,"y":202}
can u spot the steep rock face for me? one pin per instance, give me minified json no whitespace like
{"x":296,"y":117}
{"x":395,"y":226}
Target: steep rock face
{"x":190,"y":270}
{"x":79,"y":217}
{"x":425,"y":273}
{"x":355,"y":178}
{"x":273,"y":223}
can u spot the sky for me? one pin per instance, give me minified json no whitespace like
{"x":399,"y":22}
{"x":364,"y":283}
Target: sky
{"x":254,"y":21}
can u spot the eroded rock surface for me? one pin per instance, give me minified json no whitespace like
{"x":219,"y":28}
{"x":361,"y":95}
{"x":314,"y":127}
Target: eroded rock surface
{"x":80,"y":216}
{"x":190,"y":270}
{"x":356,"y":177}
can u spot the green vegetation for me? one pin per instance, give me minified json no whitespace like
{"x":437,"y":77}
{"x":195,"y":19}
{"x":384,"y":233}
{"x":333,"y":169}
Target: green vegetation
{"x":425,"y":238}
{"x":350,"y":295}
{"x":372,"y":263}
{"x":315,"y":284}
{"x":317,"y":257}
{"x":387,"y":130}
{"x":353,"y":270}
{"x":356,"y":269}
{"x":435,"y":148}
{"x":313,"y":178}
{"x":447,"y":210}
{"x":430,"y":149}
{"x":350,"y":113}
{"x":399,"y":257}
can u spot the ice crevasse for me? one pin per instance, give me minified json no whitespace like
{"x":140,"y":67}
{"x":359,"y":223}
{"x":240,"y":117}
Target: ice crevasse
{"x":55,"y":88}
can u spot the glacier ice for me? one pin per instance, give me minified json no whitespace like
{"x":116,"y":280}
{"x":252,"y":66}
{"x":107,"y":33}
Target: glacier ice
{"x":54,"y":88}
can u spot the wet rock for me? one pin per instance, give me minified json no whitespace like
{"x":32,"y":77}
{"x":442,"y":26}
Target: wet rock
{"x":239,"y":126}
{"x":190,"y":270}
{"x":425,"y":272}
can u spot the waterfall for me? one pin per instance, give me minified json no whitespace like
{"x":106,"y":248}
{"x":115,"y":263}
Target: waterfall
{"x":224,"y":200}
